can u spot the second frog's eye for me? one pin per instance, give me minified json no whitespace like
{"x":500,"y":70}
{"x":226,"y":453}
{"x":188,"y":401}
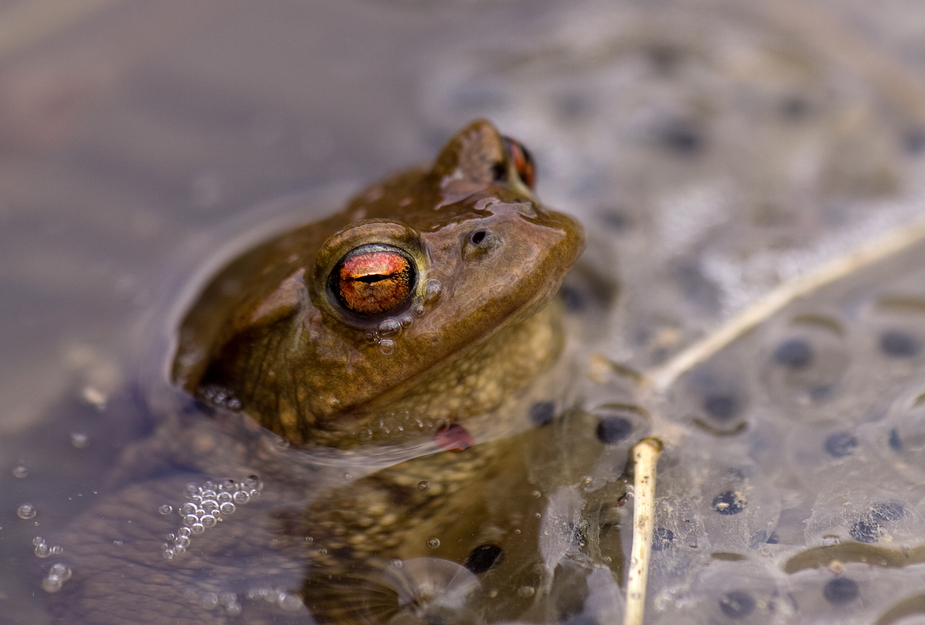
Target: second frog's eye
{"x":523,"y":162}
{"x":374,"y":279}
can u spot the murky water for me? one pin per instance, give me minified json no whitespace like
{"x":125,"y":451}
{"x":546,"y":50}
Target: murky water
{"x":714,"y":150}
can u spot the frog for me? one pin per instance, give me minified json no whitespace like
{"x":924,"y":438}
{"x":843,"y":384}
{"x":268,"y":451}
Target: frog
{"x":364,"y":384}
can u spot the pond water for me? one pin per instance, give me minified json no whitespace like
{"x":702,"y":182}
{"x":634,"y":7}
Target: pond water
{"x":713,"y":150}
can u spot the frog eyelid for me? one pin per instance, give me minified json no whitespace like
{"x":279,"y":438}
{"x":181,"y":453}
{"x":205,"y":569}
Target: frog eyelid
{"x":367,"y":271}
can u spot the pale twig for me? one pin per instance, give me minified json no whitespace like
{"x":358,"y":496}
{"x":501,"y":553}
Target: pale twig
{"x":879,"y":249}
{"x":645,"y":457}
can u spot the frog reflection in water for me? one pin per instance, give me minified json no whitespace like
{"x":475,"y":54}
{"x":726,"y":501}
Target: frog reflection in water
{"x":416,"y":319}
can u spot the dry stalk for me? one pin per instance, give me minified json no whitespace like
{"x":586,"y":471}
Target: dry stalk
{"x":645,"y":457}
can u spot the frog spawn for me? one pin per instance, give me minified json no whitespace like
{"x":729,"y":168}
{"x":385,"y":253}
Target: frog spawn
{"x":831,"y":470}
{"x":207,"y":505}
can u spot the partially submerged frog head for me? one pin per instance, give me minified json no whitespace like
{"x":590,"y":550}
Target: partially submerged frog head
{"x":423,"y":303}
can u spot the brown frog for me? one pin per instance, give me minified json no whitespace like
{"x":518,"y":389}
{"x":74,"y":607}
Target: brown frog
{"x":425,"y":297}
{"x":393,"y":349}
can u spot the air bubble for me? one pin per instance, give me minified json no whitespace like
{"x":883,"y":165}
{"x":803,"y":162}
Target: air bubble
{"x":432,"y":290}
{"x":289,"y":602}
{"x":190,"y":519}
{"x":209,"y":506}
{"x":20,"y":471}
{"x":433,"y":543}
{"x":209,"y":600}
{"x":386,"y":347}
{"x":223,"y":497}
{"x":197,"y":528}
{"x":187,"y":509}
{"x":241,"y":496}
{"x":423,"y":486}
{"x":26,"y":511}
{"x":526,"y":591}
{"x":226,"y":508}
{"x":208,"y":521}
{"x":389,"y":326}
{"x":165,"y":509}
{"x":80,"y":440}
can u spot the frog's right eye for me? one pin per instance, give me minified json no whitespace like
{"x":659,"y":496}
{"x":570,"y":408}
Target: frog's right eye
{"x":374,"y":279}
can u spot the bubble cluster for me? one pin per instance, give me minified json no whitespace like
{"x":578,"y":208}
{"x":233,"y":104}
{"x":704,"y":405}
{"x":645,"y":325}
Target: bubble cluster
{"x":206,"y":507}
{"x":43,"y":549}
{"x":273,"y":595}
{"x":228,"y":601}
{"x":57,"y":575}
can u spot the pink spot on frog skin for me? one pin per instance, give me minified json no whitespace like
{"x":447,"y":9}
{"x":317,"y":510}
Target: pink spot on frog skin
{"x":453,"y":437}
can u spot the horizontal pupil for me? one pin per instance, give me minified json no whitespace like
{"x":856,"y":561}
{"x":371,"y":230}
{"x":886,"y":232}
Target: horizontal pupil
{"x":373,"y":278}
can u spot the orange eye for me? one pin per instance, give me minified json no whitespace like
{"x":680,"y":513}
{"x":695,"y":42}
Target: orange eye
{"x":523,"y":162}
{"x":373,"y":280}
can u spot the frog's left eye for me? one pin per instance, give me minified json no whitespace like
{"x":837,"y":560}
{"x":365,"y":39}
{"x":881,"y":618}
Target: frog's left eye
{"x":373,"y":280}
{"x":523,"y":162}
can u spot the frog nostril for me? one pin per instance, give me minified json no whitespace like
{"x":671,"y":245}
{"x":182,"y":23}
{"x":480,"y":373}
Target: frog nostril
{"x":480,"y":244}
